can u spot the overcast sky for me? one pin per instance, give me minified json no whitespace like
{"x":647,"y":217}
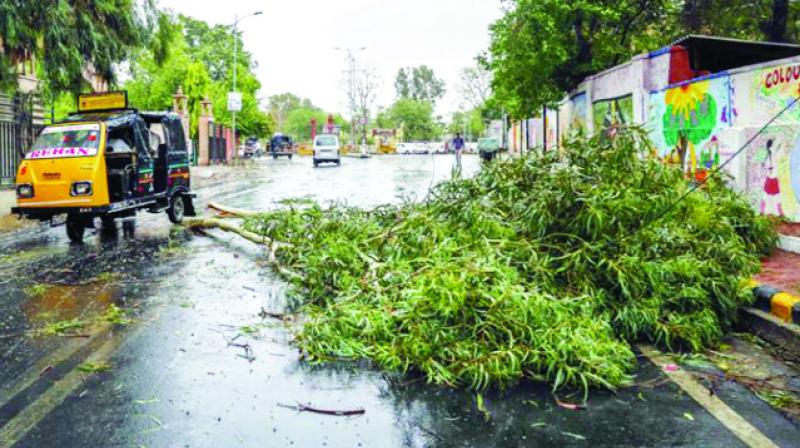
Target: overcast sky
{"x":293,"y":41}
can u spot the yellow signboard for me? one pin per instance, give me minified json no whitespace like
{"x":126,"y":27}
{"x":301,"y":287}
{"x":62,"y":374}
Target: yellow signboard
{"x":102,"y":101}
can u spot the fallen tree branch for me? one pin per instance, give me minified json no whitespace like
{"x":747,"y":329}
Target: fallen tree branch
{"x":231,"y":211}
{"x":216,"y":223}
{"x":306,"y":408}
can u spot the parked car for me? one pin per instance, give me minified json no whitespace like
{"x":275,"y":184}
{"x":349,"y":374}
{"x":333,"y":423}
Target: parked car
{"x":252,"y":148}
{"x":327,"y":149}
{"x":419,"y":148}
{"x":403,"y":148}
{"x":281,"y":145}
{"x":437,"y":148}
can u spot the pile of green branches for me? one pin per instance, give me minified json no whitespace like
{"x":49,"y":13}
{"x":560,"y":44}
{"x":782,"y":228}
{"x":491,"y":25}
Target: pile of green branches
{"x":542,"y":267}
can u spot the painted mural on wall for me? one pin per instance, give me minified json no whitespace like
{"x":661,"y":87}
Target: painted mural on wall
{"x":773,"y":171}
{"x":772,"y":89}
{"x":577,"y":123}
{"x":686,"y":124}
{"x":612,"y":114}
{"x":773,"y":159}
{"x":551,"y":128}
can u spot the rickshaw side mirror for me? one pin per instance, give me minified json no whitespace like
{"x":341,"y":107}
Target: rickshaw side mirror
{"x":109,"y":149}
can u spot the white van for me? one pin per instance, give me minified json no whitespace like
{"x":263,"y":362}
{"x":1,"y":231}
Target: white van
{"x":326,"y":149}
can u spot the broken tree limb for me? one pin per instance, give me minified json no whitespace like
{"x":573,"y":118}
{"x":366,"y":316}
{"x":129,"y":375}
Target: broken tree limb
{"x":306,"y":408}
{"x":231,"y":211}
{"x":216,"y":223}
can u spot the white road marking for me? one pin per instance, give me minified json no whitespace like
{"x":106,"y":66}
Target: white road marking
{"x":735,"y":423}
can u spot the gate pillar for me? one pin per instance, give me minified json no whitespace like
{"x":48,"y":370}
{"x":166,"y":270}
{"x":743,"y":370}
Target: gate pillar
{"x":206,"y":116}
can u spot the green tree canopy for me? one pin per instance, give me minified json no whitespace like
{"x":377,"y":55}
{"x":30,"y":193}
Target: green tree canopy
{"x":468,"y":123}
{"x":282,"y":104}
{"x":419,"y":83}
{"x":542,"y":49}
{"x":151,"y":86}
{"x":414,"y":116}
{"x":68,"y":36}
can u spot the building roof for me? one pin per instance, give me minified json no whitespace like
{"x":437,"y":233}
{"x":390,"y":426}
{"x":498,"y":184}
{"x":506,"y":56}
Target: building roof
{"x":717,"y":54}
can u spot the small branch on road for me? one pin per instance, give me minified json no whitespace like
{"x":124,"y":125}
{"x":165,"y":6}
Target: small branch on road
{"x":570,"y":406}
{"x":280,"y":316}
{"x":307,"y":408}
{"x":248,"y":351}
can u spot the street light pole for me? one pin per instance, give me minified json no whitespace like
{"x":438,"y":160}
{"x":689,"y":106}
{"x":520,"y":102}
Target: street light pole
{"x":352,"y":61}
{"x":352,"y":99}
{"x":235,"y":146}
{"x":236,"y":21}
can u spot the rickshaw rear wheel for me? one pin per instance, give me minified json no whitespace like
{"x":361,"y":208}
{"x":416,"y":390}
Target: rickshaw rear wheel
{"x":177,"y":209}
{"x":75,"y":228}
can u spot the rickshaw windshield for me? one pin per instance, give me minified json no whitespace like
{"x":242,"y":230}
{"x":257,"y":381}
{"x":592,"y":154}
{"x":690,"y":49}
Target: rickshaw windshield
{"x":82,"y":140}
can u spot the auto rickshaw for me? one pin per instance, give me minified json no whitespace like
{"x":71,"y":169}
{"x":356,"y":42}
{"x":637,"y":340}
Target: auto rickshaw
{"x":108,"y":161}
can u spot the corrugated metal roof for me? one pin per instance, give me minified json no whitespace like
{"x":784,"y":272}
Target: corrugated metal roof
{"x":702,"y":37}
{"x":711,"y":54}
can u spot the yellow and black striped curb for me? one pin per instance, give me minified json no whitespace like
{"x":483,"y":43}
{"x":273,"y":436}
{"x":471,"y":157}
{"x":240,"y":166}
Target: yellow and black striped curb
{"x":780,"y":304}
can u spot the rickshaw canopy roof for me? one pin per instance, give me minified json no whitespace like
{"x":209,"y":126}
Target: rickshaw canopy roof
{"x":126,"y":118}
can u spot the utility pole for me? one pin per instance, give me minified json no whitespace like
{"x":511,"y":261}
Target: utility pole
{"x":236,"y":21}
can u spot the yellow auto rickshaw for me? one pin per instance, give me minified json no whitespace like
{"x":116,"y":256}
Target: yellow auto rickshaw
{"x":108,"y":161}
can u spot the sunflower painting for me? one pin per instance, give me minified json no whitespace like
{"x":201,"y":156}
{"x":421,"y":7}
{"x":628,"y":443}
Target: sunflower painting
{"x":689,"y":122}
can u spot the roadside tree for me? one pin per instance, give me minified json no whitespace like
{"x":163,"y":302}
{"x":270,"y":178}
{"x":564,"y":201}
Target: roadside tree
{"x":419,"y":83}
{"x":476,"y":85}
{"x":415,"y":117}
{"x":282,"y":104}
{"x":151,"y":86}
{"x":69,"y":37}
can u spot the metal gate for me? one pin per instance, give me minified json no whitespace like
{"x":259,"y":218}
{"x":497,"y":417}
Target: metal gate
{"x":9,"y":156}
{"x":217,"y":144}
{"x":16,"y":137}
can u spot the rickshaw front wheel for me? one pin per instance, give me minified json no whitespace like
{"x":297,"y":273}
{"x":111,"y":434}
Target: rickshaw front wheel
{"x":177,"y":209}
{"x":75,"y":228}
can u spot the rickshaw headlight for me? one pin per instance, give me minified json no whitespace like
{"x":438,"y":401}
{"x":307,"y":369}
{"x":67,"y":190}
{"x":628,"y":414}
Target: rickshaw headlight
{"x":81,"y":188}
{"x":24,"y":191}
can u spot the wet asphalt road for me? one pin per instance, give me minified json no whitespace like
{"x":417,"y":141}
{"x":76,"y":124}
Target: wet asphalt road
{"x":179,"y":375}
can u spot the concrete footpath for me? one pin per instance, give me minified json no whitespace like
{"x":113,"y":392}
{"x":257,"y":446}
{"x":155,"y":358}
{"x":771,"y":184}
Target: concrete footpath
{"x":9,"y":222}
{"x":7,"y":200}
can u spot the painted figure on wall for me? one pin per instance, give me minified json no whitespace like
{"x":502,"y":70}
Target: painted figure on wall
{"x":771,"y":200}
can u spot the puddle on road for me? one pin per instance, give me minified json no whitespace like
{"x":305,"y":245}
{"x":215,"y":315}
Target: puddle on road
{"x":64,"y":302}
